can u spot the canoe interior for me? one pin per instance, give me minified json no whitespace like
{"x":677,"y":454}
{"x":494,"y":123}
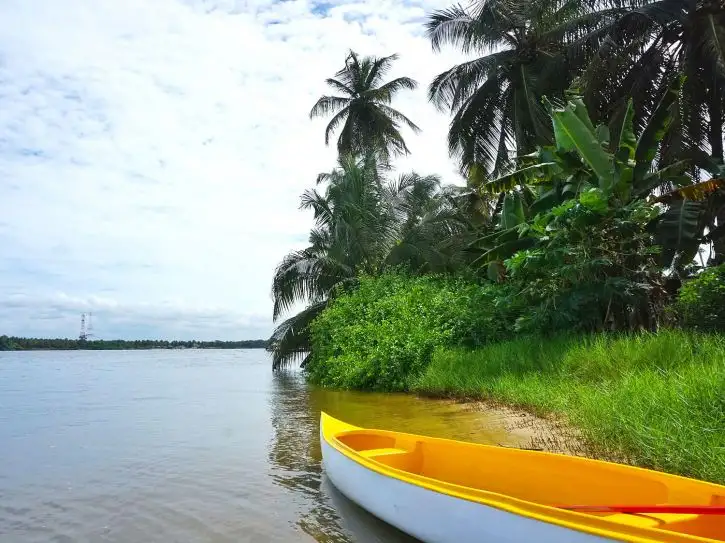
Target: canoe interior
{"x":541,"y":478}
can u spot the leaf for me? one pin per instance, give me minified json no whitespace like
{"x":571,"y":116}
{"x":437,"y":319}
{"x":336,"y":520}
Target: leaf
{"x":715,"y":44}
{"x":581,"y":112}
{"x":477,"y":175}
{"x":516,"y":178}
{"x":696,"y":192}
{"x":595,"y":200}
{"x":496,"y":271}
{"x":506,"y":250}
{"x":512,"y":213}
{"x":679,"y":231}
{"x":603,"y":135}
{"x":655,"y":131}
{"x":544,"y":202}
{"x":627,"y":140}
{"x":573,"y":133}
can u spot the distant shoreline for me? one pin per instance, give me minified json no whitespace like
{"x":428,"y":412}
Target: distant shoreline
{"x":8,"y":343}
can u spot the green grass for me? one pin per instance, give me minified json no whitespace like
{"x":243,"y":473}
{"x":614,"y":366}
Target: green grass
{"x":658,"y":399}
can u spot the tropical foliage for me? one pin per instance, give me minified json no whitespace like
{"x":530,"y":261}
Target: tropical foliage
{"x":530,"y":50}
{"x":701,"y":301}
{"x":365,"y":222}
{"x":368,"y":121}
{"x":382,"y":335}
{"x":590,"y":137}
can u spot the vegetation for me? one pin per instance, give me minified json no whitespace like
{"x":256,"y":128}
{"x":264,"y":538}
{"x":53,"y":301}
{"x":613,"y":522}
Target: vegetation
{"x":368,"y":122}
{"x":590,"y":139}
{"x":657,"y":398}
{"x":381,"y":335}
{"x":701,"y":303}
{"x":41,"y":344}
{"x":365,"y":222}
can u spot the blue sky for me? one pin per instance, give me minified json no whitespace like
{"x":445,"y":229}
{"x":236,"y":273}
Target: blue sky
{"x":152,"y":153}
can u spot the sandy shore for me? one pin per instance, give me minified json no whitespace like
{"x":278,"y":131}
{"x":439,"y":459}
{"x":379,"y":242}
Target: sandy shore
{"x":525,"y":430}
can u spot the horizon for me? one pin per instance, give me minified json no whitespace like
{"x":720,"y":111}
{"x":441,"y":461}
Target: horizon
{"x":152,"y":170}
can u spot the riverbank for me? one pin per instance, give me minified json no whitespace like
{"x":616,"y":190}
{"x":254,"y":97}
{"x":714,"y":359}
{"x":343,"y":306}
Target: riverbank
{"x":653,"y":400}
{"x":12,"y":343}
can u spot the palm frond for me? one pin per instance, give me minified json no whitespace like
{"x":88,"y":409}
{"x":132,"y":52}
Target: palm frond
{"x":398,"y":117}
{"x":379,"y":67}
{"x":290,"y":341}
{"x":327,"y":105}
{"x":386,"y":92}
{"x":450,"y":89}
{"x":340,"y":117}
{"x":339,"y":86}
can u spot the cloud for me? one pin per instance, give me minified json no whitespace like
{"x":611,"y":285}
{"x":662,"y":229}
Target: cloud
{"x":153,"y":153}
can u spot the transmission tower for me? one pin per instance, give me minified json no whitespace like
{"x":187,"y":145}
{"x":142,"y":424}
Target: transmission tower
{"x":89,"y":329}
{"x":84,"y":333}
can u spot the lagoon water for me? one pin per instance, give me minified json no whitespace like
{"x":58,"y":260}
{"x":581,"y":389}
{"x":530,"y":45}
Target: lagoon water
{"x":185,"y":446}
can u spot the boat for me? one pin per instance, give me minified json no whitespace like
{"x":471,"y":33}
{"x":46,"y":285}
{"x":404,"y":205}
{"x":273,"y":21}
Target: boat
{"x":441,"y":490}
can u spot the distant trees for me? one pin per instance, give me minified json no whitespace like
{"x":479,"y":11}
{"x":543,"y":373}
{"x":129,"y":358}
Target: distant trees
{"x":37,"y":344}
{"x":5,"y":344}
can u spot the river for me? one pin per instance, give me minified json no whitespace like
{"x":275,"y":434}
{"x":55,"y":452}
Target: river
{"x":185,"y":445}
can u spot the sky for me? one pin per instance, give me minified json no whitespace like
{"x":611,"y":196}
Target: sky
{"x":153,"y":152}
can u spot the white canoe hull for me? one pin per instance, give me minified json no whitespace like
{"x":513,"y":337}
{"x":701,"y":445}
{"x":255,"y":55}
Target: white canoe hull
{"x":433,"y":517}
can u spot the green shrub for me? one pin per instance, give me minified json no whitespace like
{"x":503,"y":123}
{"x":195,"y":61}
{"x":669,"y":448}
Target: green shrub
{"x":701,"y":302}
{"x":590,"y":269}
{"x":381,"y":336}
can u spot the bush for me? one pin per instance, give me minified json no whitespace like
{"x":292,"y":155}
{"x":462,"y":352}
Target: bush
{"x":701,"y":302}
{"x":381,"y":336}
{"x":591,"y":268}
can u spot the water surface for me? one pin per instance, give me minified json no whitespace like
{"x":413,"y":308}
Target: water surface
{"x":187,"y":445}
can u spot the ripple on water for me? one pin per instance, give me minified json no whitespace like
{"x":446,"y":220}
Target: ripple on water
{"x":203,"y":446}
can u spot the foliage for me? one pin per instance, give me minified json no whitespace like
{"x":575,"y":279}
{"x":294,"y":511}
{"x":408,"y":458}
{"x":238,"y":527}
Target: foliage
{"x":655,"y":399}
{"x":368,"y":122}
{"x":381,"y":336}
{"x":531,"y":49}
{"x":587,"y":164}
{"x":591,"y":268}
{"x":365,"y":223}
{"x":58,"y":344}
{"x":651,"y":43}
{"x":701,"y":301}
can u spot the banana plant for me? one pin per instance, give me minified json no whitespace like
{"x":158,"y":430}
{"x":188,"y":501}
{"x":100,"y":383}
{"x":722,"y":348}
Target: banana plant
{"x":586,"y":160}
{"x":694,"y":218}
{"x":584,"y":156}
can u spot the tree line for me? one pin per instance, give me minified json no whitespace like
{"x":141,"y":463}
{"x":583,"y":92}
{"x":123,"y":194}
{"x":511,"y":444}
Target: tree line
{"x":589,"y":136}
{"x":11,"y":343}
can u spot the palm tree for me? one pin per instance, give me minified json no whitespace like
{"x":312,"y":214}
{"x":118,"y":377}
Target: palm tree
{"x":652,"y":43}
{"x":368,"y":121}
{"x":531,"y":49}
{"x":364,"y":224}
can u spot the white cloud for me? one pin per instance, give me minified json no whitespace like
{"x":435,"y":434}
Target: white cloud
{"x":153,"y":153}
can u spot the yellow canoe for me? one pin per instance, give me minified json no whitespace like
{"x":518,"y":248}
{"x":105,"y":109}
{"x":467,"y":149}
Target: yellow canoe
{"x":440,"y":490}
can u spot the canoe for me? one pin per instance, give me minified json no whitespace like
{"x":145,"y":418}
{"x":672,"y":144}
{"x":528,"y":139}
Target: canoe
{"x":440,"y":490}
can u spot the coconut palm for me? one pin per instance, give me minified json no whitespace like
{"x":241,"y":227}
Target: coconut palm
{"x":361,"y":106}
{"x":529,"y":49}
{"x":650,"y":45}
{"x":364,"y":224}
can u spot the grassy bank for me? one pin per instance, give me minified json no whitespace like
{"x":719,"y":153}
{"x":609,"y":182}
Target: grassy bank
{"x":657,"y":398}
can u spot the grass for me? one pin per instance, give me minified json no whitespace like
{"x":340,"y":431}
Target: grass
{"x":658,"y":399}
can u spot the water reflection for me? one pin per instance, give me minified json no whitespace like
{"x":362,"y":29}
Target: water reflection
{"x":295,"y":454}
{"x":295,"y":459}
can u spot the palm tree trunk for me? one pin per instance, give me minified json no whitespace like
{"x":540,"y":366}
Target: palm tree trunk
{"x":716,"y":122}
